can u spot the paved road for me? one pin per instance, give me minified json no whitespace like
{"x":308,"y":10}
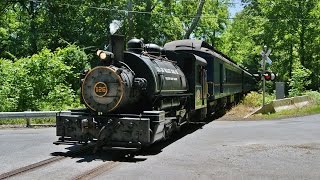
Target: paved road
{"x":274,"y":149}
{"x":21,"y":147}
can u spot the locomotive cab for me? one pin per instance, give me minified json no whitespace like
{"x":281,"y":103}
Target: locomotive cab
{"x":196,"y":74}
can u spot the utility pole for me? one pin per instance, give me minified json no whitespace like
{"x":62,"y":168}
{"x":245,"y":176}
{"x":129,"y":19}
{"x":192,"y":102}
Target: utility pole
{"x":265,"y":59}
{"x":130,"y":21}
{"x":264,"y":81}
{"x":33,"y":41}
{"x":214,"y":31}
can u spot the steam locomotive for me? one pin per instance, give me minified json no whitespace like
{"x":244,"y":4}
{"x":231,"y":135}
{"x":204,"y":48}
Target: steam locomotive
{"x":136,"y":97}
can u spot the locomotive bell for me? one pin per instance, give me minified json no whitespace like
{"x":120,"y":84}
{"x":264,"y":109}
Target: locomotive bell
{"x":153,"y":49}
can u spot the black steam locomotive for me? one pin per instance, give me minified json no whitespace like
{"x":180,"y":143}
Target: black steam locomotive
{"x":139,"y":96}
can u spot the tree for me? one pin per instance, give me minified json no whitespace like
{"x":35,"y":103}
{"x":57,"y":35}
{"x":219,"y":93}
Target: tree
{"x":289,"y":27}
{"x":195,"y":20}
{"x":299,"y":81}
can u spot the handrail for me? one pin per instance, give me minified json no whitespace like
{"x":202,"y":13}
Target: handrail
{"x":29,"y":114}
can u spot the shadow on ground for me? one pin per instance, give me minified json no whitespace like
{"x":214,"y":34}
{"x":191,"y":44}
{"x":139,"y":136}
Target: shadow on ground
{"x":85,"y":152}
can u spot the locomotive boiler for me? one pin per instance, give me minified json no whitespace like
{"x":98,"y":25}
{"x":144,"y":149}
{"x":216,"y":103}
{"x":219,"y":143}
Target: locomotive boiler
{"x":133,"y":82}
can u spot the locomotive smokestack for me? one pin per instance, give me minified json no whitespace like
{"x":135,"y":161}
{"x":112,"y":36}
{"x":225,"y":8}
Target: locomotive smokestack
{"x":115,"y":26}
{"x":117,"y":47}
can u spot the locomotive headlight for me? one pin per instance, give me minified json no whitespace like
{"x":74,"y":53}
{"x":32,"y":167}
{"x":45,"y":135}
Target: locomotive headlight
{"x":104,"y":55}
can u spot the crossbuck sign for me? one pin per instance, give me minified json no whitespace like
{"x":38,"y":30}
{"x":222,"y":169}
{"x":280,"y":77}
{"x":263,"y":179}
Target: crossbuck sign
{"x":265,"y":57}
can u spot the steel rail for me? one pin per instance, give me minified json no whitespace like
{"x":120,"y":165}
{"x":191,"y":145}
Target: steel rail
{"x":30,"y":167}
{"x":45,"y":162}
{"x":92,"y":173}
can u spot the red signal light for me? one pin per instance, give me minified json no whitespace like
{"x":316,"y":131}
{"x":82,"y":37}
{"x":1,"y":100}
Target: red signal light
{"x":268,"y":75}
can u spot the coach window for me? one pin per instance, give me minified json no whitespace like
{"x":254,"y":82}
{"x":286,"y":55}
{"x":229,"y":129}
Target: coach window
{"x":199,"y":74}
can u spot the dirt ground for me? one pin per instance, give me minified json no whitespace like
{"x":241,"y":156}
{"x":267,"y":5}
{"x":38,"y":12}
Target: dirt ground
{"x":238,"y":113}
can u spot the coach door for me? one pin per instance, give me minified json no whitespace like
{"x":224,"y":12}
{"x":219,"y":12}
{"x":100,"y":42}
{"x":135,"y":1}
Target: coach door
{"x":204,"y":86}
{"x":201,"y":86}
{"x":221,"y":78}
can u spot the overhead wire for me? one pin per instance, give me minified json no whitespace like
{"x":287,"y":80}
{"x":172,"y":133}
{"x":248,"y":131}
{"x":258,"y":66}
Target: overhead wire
{"x":179,"y":15}
{"x":186,"y":16}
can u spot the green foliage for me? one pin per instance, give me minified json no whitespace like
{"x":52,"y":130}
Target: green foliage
{"x":314,"y":95}
{"x":44,"y":81}
{"x":299,"y":81}
{"x":254,"y":99}
{"x":302,"y":111}
{"x":289,"y":27}
{"x":36,"y":76}
{"x":8,"y":96}
{"x":61,"y":97}
{"x":77,"y":60}
{"x":86,"y":23}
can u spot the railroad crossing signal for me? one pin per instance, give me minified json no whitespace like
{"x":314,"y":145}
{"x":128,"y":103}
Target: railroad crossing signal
{"x":265,"y":75}
{"x":268,"y":75}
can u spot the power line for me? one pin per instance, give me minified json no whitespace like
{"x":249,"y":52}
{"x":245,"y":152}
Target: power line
{"x":176,"y":15}
{"x":186,"y":16}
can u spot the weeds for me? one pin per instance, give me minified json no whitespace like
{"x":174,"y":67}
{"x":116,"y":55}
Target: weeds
{"x":314,"y":95}
{"x":254,"y":99}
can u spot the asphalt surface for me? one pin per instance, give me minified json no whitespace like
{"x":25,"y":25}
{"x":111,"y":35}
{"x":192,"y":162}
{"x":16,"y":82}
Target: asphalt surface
{"x":272,"y":149}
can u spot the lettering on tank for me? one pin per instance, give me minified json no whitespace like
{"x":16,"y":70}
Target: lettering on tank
{"x":166,"y":70}
{"x":171,"y":79}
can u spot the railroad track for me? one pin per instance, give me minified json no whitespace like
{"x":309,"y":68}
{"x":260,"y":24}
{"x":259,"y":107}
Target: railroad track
{"x":103,"y":168}
{"x":46,"y":162}
{"x":107,"y":166}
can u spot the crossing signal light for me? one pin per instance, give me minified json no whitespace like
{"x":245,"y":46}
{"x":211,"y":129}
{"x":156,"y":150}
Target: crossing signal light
{"x":268,"y":75}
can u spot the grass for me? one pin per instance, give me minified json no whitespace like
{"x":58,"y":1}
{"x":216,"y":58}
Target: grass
{"x":253,"y":101}
{"x":302,"y":111}
{"x":312,"y":108}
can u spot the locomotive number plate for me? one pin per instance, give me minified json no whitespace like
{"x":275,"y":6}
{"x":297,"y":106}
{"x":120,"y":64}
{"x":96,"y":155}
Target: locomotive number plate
{"x":100,"y":89}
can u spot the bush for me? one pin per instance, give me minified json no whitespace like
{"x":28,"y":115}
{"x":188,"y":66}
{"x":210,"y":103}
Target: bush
{"x":314,"y":95}
{"x":36,"y":76}
{"x":77,"y":60}
{"x":8,"y":95}
{"x":299,"y":80}
{"x":254,"y":99}
{"x":44,"y":81}
{"x":61,"y":97}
